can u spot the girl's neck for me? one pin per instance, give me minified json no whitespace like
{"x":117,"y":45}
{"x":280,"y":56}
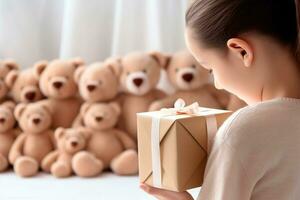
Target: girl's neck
{"x":284,"y":80}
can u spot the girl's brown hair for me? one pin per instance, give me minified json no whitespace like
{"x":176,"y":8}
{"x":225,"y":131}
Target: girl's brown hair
{"x":213,"y":22}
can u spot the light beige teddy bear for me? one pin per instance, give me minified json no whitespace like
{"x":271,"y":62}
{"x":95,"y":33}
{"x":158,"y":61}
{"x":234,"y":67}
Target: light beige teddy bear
{"x":8,"y":133}
{"x":56,"y":81}
{"x":5,"y":67}
{"x":108,"y":147}
{"x":36,"y":140}
{"x":69,"y":142}
{"x":23,"y":86}
{"x":140,"y":73}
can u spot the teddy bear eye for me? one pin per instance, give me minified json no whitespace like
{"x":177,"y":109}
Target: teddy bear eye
{"x":127,"y":73}
{"x":100,"y":82}
{"x":194,"y":66}
{"x":144,"y":70}
{"x":177,"y":70}
{"x":66,"y":77}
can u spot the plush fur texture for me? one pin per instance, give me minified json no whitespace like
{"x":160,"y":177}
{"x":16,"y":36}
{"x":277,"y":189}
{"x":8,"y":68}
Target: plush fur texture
{"x":108,"y":147}
{"x":36,"y":140}
{"x":8,"y":133}
{"x":140,"y":73}
{"x":192,"y":83}
{"x":5,"y":67}
{"x":23,"y":85}
{"x":56,"y":80}
{"x":69,"y":142}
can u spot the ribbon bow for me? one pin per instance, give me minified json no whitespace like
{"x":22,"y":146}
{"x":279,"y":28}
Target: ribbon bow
{"x":180,"y":108}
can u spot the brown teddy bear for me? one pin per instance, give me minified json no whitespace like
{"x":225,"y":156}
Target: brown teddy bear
{"x":107,"y":147}
{"x":69,"y":142}
{"x":23,"y":85}
{"x":192,"y":83}
{"x":7,"y":132}
{"x":140,"y":73}
{"x":35,"y":142}
{"x":56,"y":81}
{"x":5,"y":67}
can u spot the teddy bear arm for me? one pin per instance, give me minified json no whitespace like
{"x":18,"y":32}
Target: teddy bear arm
{"x":126,"y":140}
{"x":49,"y":160}
{"x":17,"y":132}
{"x":159,"y":94}
{"x":16,"y":149}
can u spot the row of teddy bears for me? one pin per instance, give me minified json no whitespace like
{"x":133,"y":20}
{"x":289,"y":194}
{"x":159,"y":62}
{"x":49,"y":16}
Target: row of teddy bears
{"x":66,"y":118}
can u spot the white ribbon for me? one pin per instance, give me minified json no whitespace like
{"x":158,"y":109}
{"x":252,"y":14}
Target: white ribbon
{"x":179,"y":108}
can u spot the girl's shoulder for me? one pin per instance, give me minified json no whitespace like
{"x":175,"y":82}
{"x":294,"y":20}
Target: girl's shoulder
{"x":259,"y":121}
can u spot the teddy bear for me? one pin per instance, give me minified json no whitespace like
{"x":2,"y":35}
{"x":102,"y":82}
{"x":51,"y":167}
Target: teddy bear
{"x":192,"y":83}
{"x":5,"y":67}
{"x":36,"y":140}
{"x":8,"y":133}
{"x":97,"y":82}
{"x":56,"y":81}
{"x":24,"y":85}
{"x":140,"y":73}
{"x":69,"y":142}
{"x":108,"y":147}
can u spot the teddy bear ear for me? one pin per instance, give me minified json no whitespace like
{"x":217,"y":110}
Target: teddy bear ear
{"x":59,"y":132}
{"x":115,"y":65}
{"x":11,"y":64}
{"x":116,"y":107}
{"x":84,"y":108}
{"x":162,"y":59}
{"x":10,"y":105}
{"x":39,"y":67}
{"x":11,"y":78}
{"x":78,"y":72}
{"x":77,"y":62}
{"x":19,"y":110}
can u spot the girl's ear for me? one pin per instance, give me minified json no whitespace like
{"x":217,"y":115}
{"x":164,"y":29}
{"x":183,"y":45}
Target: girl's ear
{"x":242,"y":50}
{"x":162,"y":59}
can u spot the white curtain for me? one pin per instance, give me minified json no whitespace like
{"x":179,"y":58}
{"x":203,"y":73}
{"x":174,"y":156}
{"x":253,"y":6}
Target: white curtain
{"x":31,"y":30}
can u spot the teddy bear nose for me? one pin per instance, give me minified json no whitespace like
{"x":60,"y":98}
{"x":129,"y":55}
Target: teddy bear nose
{"x":74,"y":143}
{"x":98,"y":119}
{"x":57,"y":84}
{"x":138,"y":82}
{"x":2,"y":120}
{"x":91,"y":87}
{"x":188,"y":77}
{"x":36,"y":120}
{"x":30,"y":96}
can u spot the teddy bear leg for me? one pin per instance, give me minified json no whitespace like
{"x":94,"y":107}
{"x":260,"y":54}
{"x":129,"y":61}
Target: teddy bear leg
{"x":125,"y":163}
{"x":26,"y":166}
{"x":3,"y":163}
{"x":86,"y":164}
{"x":61,"y":169}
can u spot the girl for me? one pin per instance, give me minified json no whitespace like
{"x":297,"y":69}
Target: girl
{"x":251,"y":47}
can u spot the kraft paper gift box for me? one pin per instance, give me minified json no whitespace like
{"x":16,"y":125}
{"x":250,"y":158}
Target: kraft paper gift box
{"x":173,"y":148}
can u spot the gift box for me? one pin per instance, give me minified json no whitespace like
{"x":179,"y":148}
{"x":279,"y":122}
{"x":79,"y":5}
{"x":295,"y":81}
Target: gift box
{"x":174,"y":145}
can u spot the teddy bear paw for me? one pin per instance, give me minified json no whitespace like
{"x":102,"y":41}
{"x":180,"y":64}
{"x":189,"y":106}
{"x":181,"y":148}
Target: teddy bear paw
{"x":126,"y":163}
{"x":85,"y":164}
{"x":26,"y":166}
{"x":3,"y":163}
{"x":60,"y":170}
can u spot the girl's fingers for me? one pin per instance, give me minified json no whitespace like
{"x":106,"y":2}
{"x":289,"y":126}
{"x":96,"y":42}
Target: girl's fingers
{"x":162,"y":194}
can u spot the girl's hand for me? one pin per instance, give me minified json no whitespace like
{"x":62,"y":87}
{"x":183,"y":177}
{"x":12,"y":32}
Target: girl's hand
{"x":162,"y":194}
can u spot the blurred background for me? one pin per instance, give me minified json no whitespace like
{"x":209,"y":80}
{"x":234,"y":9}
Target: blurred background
{"x":93,"y":29}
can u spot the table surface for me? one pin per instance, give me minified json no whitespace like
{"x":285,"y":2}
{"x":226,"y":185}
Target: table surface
{"x":46,"y":187}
